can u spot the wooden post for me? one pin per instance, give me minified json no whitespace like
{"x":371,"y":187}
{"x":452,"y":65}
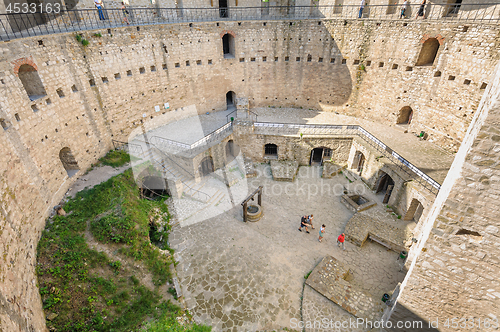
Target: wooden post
{"x":245,"y":212}
{"x":259,"y":198}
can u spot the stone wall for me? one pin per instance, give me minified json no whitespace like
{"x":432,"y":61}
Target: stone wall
{"x":455,"y":274}
{"x":102,"y":92}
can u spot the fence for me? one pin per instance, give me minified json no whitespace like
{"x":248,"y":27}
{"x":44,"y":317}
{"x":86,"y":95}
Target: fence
{"x":21,"y":23}
{"x":403,"y":164}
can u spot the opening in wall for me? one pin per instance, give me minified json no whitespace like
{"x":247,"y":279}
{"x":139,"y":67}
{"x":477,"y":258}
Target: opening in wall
{"x":405,"y":116}
{"x":68,"y":161}
{"x":428,"y":52}
{"x":271,"y":151}
{"x":228,"y":46}
{"x":230,"y":100}
{"x":223,"y":10}
{"x":31,"y":82}
{"x":359,"y":162}
{"x":414,"y":211}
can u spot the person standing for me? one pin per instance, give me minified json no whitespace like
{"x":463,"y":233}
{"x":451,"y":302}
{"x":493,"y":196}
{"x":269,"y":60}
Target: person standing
{"x":341,"y":240}
{"x":98,"y":5}
{"x":361,"y":7}
{"x":125,"y":13}
{"x":421,"y":10}
{"x":304,"y":223}
{"x":321,"y":232}
{"x":403,"y":9}
{"x":310,"y":220}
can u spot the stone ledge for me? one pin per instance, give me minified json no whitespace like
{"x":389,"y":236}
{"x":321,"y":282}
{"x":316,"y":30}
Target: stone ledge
{"x":284,"y":170}
{"x":332,"y":279}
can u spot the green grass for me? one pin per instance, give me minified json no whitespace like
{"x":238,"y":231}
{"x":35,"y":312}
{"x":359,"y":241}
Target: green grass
{"x":89,"y":291}
{"x":170,"y":324}
{"x":115,"y":158}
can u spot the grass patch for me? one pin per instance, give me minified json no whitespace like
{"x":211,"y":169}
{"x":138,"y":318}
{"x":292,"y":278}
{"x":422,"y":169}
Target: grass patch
{"x":115,"y":158}
{"x":85,"y":289}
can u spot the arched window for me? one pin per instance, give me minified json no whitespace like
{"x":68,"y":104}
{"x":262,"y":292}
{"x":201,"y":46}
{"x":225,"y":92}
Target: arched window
{"x":271,"y":150}
{"x":428,"y":52}
{"x":405,"y":115}
{"x":31,"y":82}
{"x":68,"y":161}
{"x":414,"y":211}
{"x":228,"y":46}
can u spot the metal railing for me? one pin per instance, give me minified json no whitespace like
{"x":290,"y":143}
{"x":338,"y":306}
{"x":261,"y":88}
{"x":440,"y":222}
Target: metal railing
{"x":215,"y":135}
{"x":20,"y":25}
{"x":353,"y":130}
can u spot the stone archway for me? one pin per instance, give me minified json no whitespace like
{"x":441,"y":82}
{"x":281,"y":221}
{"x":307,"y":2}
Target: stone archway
{"x":206,"y":166}
{"x":405,"y":116}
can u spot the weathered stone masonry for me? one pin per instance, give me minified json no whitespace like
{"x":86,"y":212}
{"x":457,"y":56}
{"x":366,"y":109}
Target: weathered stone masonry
{"x":101,"y":92}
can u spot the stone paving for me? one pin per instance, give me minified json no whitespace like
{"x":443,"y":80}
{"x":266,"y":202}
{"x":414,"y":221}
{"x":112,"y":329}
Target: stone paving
{"x":381,"y":226}
{"x":249,"y":276}
{"x":284,"y":170}
{"x":333,"y":280}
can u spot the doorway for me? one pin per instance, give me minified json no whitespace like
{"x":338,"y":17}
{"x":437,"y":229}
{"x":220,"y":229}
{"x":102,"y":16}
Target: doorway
{"x":318,"y":155}
{"x":223,"y":12}
{"x":230,"y":98}
{"x":385,"y":186}
{"x":206,"y":166}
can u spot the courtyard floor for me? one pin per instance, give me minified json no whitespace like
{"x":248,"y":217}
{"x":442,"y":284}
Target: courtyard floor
{"x":250,"y":276}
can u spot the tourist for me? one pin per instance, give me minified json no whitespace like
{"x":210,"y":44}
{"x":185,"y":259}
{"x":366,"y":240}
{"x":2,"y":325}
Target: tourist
{"x":321,"y":232}
{"x":361,"y":7}
{"x":403,"y":9}
{"x":421,"y":10}
{"x":310,"y":220}
{"x":98,"y":4}
{"x":341,"y":240}
{"x":304,"y":223}
{"x":125,"y":13}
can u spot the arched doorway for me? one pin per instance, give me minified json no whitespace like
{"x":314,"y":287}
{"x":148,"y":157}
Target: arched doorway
{"x":228,"y":46}
{"x":385,"y":186}
{"x":232,"y":150}
{"x":206,"y":166}
{"x":230,"y":100}
{"x":405,"y":116}
{"x":415,"y":211}
{"x":428,"y":52}
{"x":358,"y":162}
{"x":271,"y":151}
{"x":68,"y":161}
{"x":318,"y":155}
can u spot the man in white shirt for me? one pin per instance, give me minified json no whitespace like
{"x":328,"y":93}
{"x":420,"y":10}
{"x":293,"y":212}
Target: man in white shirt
{"x":98,"y":5}
{"x":361,"y":7}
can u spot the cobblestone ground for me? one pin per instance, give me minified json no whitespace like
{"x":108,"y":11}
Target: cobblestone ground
{"x":248,"y":277}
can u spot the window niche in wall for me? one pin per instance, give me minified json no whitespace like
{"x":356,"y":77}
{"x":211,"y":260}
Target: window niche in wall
{"x":428,"y":52}
{"x":228,"y":46}
{"x":31,"y":82}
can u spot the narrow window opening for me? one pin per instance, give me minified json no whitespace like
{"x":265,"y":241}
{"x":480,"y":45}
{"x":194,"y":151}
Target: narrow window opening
{"x":104,"y":80}
{"x":91,"y":82}
{"x":74,"y":88}
{"x":380,"y":64}
{"x":17,"y":117}
{"x":395,"y":66}
{"x":437,"y":74}
{"x":117,"y":76}
{"x":483,"y":86}
{"x":34,"y":108}
{"x":129,"y":73}
{"x":142,"y":70}
{"x":60,"y":93}
{"x":228,"y":46}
